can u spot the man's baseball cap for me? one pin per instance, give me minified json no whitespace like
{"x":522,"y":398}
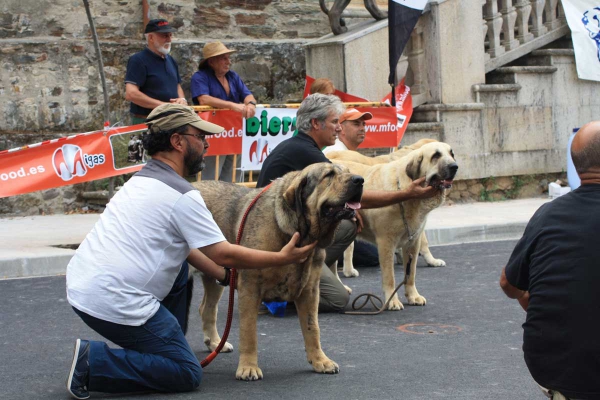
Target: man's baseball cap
{"x":170,"y":116}
{"x":159,"y":25}
{"x":352,"y":114}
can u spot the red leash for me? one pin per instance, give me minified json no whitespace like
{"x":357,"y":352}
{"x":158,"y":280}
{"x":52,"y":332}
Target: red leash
{"x":232,"y":284}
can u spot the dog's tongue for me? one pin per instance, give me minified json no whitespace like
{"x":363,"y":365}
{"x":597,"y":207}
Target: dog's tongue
{"x":355,"y":205}
{"x":447,"y":183}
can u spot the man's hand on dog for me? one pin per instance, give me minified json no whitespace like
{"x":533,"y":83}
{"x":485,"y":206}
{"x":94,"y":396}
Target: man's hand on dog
{"x":294,"y":254}
{"x":416,"y":191}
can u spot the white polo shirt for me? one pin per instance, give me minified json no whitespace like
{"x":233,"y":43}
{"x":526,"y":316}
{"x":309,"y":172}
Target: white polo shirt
{"x":338,"y":146}
{"x":130,"y":259}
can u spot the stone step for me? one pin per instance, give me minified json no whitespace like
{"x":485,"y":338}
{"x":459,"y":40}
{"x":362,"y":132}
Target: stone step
{"x":416,"y":131}
{"x":504,"y":75}
{"x":497,"y":87}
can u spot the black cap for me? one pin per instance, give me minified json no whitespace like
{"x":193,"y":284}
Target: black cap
{"x":159,"y":25}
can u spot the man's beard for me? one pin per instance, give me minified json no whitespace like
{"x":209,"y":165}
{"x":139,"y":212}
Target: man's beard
{"x":165,"y":51}
{"x":193,"y":162}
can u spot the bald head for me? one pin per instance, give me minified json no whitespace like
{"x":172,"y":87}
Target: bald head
{"x":585,"y":149}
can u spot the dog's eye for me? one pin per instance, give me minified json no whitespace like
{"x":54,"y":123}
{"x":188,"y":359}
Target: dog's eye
{"x":452,"y":153}
{"x":436,"y":155}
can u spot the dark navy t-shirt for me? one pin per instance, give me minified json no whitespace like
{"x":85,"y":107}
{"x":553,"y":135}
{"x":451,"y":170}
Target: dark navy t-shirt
{"x":155,"y":76}
{"x":205,"y":82}
{"x":557,"y":261}
{"x":294,"y":154}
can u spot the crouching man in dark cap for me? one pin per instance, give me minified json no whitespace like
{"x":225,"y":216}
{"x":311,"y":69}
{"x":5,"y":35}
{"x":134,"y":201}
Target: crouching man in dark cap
{"x":127,"y":281}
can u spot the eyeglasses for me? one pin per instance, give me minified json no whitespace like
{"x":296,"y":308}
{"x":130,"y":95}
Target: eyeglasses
{"x":199,"y":136}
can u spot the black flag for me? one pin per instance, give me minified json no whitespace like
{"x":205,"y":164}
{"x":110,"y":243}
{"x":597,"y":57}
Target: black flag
{"x":403,"y":16}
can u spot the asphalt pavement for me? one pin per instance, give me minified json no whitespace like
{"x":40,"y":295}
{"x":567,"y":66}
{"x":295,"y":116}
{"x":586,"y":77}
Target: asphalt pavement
{"x":464,"y":344}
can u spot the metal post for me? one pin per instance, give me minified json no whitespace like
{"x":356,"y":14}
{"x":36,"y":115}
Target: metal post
{"x":111,"y":182}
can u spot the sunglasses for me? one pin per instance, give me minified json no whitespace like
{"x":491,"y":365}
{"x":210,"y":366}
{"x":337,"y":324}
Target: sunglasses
{"x":199,"y":136}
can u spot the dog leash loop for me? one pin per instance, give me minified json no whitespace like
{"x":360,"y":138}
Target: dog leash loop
{"x":232,"y":286}
{"x":370,"y":297}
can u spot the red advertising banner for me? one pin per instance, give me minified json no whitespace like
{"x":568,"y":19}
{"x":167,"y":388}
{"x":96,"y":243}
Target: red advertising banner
{"x":70,"y":160}
{"x":230,"y":141}
{"x":102,"y":154}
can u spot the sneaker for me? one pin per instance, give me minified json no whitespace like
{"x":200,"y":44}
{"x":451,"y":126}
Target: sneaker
{"x":79,"y":376}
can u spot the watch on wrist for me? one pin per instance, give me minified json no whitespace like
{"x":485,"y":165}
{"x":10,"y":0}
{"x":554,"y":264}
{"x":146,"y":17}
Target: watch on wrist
{"x":225,"y":281}
{"x":251,"y":102}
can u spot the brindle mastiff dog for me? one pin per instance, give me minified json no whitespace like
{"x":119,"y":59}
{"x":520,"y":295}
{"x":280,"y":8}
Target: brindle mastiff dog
{"x":313,"y":202}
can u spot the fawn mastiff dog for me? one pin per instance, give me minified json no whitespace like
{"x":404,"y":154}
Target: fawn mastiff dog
{"x":348,"y":155}
{"x":313,"y":202}
{"x":401,"y":225}
{"x":354,"y":156}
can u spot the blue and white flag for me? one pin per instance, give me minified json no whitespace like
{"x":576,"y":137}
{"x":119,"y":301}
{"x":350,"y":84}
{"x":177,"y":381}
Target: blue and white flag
{"x":583,"y":17}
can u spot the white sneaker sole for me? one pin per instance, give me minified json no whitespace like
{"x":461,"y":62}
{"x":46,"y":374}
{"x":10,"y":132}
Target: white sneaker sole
{"x":70,"y":377}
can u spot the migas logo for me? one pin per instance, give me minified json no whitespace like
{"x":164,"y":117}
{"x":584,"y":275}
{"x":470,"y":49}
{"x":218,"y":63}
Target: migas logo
{"x":259,"y":150}
{"x":69,"y":161}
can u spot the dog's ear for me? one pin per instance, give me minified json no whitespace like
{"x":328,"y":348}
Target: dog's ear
{"x":293,"y":194}
{"x":413,"y":169}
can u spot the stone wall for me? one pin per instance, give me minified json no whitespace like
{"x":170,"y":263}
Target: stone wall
{"x":49,"y":80}
{"x":199,"y":19}
{"x":53,"y":84}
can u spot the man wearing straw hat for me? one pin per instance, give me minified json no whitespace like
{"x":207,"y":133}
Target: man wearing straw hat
{"x":128,"y":279}
{"x":216,"y":85}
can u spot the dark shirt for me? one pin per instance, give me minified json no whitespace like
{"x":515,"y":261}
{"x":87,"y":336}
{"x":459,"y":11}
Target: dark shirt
{"x":556,"y":260}
{"x":155,"y":76}
{"x":205,"y":81}
{"x":293,"y":154}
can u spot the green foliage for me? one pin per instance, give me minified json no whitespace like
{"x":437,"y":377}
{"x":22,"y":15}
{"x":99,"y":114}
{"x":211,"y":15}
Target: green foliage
{"x":485,"y":194}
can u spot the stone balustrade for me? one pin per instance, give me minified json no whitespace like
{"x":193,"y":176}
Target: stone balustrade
{"x":511,"y":27}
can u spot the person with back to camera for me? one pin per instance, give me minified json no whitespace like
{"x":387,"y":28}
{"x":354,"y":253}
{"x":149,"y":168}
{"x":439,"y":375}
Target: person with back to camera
{"x":318,"y":122}
{"x":216,"y":85}
{"x":152,"y":76}
{"x":128,"y":279}
{"x":554,"y":273}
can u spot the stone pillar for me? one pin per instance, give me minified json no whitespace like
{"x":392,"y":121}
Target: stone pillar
{"x":455,"y":55}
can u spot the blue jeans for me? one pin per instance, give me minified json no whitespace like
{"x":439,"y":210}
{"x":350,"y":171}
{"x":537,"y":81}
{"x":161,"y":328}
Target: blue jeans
{"x":155,"y":356}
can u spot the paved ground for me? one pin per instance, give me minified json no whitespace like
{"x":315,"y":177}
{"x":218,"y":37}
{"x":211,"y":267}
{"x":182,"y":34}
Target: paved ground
{"x":469,"y":346}
{"x":27,"y":244}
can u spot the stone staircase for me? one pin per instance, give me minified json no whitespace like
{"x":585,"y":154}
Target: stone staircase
{"x":526,"y":106}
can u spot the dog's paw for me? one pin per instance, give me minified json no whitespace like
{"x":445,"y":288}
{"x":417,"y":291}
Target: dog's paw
{"x":436,"y":262}
{"x":248,"y":373}
{"x":417,"y":300}
{"x":395,"y":304}
{"x":353,"y":273}
{"x":325,"y":366}
{"x":212,"y":345}
{"x":348,"y":289}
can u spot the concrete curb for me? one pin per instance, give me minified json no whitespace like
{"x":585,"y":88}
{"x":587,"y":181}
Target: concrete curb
{"x":56,"y":264}
{"x":35,"y":246}
{"x":34,"y":266}
{"x":475,"y":233}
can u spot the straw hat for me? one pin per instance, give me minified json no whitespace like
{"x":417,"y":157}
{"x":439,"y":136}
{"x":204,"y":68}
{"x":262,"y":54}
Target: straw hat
{"x":213,"y":49}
